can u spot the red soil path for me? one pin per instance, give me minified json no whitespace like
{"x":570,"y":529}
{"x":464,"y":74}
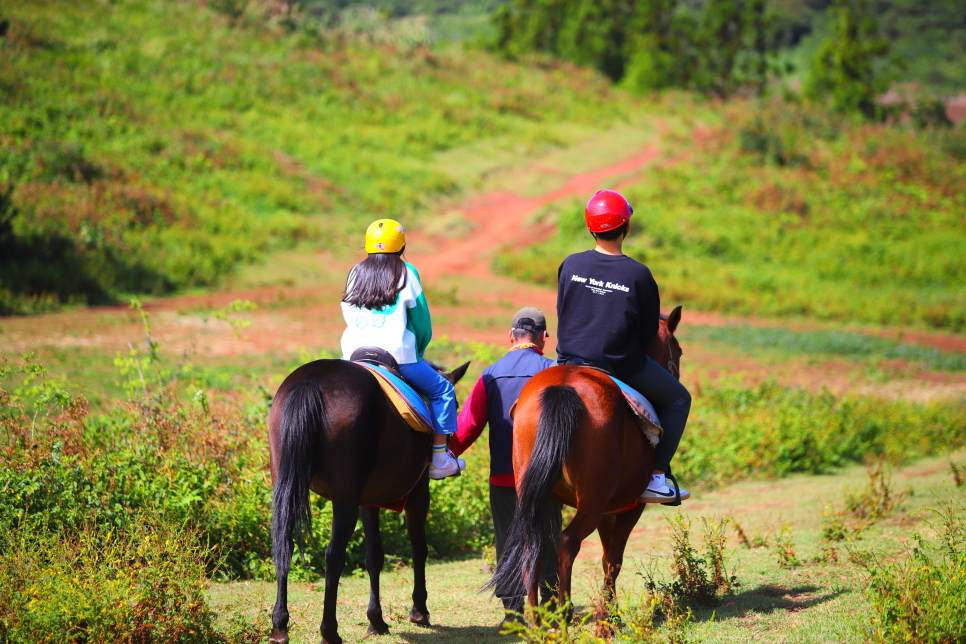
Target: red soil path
{"x":499,"y":219}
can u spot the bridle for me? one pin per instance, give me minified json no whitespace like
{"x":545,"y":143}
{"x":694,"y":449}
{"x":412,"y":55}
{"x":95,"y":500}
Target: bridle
{"x":672,"y":367}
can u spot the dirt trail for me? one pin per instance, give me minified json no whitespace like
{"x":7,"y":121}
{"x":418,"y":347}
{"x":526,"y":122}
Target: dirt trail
{"x":499,"y":219}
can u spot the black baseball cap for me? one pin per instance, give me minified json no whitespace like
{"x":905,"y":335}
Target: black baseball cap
{"x":529,"y":318}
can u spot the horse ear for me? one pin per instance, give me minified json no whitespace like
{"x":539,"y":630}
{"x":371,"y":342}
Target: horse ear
{"x":674,"y":318}
{"x":457,"y":374}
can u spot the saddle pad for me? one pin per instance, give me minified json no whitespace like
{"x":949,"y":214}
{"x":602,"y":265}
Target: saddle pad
{"x":644,"y":411}
{"x":404,"y":398}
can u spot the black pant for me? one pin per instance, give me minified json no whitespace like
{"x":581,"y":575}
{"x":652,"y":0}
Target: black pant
{"x":503,"y":502}
{"x":672,"y":402}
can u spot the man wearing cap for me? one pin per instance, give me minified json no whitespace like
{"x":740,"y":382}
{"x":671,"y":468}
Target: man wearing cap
{"x":489,"y":402}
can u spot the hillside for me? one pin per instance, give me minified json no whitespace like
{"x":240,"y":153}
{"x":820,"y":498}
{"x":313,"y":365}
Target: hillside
{"x":792,"y":212}
{"x":149,"y":147}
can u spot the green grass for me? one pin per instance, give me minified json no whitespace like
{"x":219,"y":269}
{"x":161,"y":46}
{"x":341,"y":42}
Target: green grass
{"x":793,"y":213}
{"x":755,"y":340}
{"x":814,"y":602}
{"x":154,"y":146}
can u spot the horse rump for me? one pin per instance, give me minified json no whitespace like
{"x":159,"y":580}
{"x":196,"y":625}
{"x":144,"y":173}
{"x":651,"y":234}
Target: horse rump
{"x":517,"y":570}
{"x":301,"y":421}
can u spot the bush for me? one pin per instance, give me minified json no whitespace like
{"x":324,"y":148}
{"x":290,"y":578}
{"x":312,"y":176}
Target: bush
{"x":771,"y":430}
{"x":142,"y":585}
{"x":202,"y":463}
{"x":922,"y":597}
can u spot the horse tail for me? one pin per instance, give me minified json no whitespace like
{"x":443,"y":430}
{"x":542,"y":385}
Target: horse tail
{"x":561,"y":407}
{"x":302,"y":418}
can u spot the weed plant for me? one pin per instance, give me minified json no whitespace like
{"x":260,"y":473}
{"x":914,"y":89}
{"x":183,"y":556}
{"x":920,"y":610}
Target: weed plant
{"x":864,"y":506}
{"x":696,"y":578}
{"x":921,"y":597}
{"x":145,"y":584}
{"x":203,"y":462}
{"x":792,"y":212}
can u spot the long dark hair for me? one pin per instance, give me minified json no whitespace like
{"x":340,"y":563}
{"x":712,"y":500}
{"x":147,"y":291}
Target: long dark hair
{"x":375,"y":282}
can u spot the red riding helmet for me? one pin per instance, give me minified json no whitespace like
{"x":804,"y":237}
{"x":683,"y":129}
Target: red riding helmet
{"x":607,"y":210}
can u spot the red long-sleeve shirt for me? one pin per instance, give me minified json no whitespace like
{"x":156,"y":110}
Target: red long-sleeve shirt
{"x":469,"y":426}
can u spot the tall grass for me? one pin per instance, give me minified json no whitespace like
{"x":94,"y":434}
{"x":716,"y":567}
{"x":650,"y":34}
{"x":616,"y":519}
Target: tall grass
{"x":143,"y":585}
{"x":790,"y":212}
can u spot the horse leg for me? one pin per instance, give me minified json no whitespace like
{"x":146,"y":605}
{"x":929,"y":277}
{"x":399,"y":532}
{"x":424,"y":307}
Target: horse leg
{"x":280,"y":614}
{"x":622,"y":527}
{"x":606,"y":533}
{"x":375,"y":559}
{"x":417,"y":509}
{"x":344,"y":516}
{"x":584,"y":522}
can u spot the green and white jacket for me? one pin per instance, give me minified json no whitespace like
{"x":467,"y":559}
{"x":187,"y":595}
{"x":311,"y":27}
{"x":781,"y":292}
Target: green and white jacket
{"x":403,"y":329}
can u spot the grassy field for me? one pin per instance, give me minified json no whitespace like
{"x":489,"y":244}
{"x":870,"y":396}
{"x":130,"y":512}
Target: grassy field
{"x":793,"y":213}
{"x":154,"y":146}
{"x":813,"y":602}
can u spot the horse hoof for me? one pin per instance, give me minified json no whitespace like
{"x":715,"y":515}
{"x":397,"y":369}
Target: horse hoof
{"x":419,"y":618}
{"x":278,"y":637}
{"x":378,"y":629}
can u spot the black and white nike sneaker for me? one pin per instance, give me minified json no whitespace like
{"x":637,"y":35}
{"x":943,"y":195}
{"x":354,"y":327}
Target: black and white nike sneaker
{"x":662,"y":494}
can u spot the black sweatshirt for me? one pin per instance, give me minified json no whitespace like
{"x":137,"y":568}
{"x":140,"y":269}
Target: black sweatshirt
{"x":608,"y":309}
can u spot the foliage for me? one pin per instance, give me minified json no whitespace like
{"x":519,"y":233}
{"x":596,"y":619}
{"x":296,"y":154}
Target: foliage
{"x":203,"y":463}
{"x":848,"y":66}
{"x":147,"y":147}
{"x":649,"y":44}
{"x":922,"y":596}
{"x":648,"y":619}
{"x":736,"y":432}
{"x":820,"y":217}
{"x":864,"y":506}
{"x":785,"y":549}
{"x":143,"y":584}
{"x":696,"y":578}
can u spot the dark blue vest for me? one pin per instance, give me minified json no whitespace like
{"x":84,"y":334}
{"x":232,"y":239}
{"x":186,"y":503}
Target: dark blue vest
{"x":503,"y":381}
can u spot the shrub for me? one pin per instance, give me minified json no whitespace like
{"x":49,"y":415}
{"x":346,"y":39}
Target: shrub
{"x":696,"y":578}
{"x":922,"y":596}
{"x":141,"y":585}
{"x":771,"y":430}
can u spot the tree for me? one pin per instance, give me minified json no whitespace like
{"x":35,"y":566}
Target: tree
{"x":851,"y":66}
{"x":648,"y":44}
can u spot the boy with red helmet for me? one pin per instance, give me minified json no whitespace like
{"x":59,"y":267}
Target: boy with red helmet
{"x":608,"y":311}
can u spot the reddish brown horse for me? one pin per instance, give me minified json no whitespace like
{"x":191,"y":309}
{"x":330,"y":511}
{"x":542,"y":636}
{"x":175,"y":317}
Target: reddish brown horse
{"x":576,"y":440}
{"x":332,"y":430}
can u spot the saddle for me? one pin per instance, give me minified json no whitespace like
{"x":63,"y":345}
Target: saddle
{"x":401,"y":395}
{"x":378,"y":357}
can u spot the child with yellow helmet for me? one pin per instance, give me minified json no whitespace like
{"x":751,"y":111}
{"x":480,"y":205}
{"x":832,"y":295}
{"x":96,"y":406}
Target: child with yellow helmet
{"x":384,"y":306}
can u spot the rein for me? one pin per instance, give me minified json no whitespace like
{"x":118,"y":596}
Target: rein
{"x":671,"y":365}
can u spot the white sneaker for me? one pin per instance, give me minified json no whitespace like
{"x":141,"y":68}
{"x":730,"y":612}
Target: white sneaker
{"x":452,"y":467}
{"x":662,"y":494}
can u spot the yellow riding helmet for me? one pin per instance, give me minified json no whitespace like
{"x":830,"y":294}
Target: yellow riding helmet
{"x":385,"y":236}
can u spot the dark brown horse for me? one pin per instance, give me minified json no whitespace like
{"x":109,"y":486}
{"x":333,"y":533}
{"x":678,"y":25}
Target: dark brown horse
{"x":575,"y":440}
{"x":332,"y":430}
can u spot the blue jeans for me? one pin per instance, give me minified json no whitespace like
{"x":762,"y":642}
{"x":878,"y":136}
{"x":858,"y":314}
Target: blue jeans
{"x":442,"y":396}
